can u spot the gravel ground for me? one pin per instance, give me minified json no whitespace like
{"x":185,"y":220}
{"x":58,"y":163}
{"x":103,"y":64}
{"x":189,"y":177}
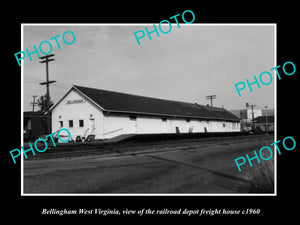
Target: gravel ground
{"x":186,"y":166}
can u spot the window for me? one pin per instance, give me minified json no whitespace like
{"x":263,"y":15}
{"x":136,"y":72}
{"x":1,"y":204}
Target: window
{"x":188,"y":120}
{"x":81,"y":123}
{"x":223,"y":124}
{"x":164,"y":119}
{"x":235,"y":125}
{"x":70,"y":123}
{"x":61,"y":123}
{"x":132,"y":117}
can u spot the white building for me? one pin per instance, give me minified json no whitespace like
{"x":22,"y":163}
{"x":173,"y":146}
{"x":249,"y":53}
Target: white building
{"x":247,"y":114}
{"x":106,"y":114}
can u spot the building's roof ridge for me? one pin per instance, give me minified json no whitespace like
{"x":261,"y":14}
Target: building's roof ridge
{"x":112,"y":101}
{"x":134,"y":95}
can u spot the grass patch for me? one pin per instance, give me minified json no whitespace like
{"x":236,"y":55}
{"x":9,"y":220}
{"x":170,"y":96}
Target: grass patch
{"x":260,"y":177}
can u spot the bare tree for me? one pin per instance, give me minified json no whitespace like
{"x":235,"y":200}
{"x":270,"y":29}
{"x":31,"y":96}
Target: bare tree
{"x":42,"y":103}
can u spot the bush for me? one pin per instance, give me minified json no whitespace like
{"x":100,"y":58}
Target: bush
{"x":260,"y":177}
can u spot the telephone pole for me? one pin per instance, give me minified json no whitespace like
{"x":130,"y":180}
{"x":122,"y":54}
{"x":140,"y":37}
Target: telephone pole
{"x":46,"y":59}
{"x":267,"y":127}
{"x":33,"y":103}
{"x":247,"y":105}
{"x":211,"y":97}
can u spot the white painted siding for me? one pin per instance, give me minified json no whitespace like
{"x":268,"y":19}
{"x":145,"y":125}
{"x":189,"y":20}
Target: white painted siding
{"x":91,"y":115}
{"x":115,"y":125}
{"x":74,"y":107}
{"x":151,"y":125}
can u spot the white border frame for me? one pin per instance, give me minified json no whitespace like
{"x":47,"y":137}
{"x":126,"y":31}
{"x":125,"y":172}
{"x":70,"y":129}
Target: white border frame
{"x":149,"y":24}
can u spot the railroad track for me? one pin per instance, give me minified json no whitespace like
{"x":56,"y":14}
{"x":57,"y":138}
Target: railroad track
{"x":90,"y":148}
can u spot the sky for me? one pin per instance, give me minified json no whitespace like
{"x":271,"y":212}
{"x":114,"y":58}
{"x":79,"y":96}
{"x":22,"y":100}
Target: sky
{"x":186,"y":64}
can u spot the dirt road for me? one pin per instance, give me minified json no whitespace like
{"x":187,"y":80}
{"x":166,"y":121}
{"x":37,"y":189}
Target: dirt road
{"x":186,"y":168}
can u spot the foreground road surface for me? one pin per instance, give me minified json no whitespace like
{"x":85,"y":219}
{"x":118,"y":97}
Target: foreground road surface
{"x":209,"y":169}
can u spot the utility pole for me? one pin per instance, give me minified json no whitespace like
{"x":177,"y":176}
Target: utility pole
{"x":267,"y":127}
{"x":45,"y":59}
{"x":33,"y":103}
{"x":211,"y":97}
{"x":247,"y":105}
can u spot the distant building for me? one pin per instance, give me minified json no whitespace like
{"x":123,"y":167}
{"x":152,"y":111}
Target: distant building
{"x":267,"y":112}
{"x":245,"y":116}
{"x":105,"y":114}
{"x":34,"y":125}
{"x":264,"y":123}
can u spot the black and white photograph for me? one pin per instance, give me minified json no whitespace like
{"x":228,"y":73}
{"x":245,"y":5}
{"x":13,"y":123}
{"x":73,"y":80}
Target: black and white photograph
{"x":159,"y":117}
{"x":144,"y":111}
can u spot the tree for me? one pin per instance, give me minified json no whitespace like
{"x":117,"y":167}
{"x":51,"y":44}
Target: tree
{"x":42,"y":103}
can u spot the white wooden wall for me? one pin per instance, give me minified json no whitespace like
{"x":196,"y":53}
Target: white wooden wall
{"x":79,"y":111}
{"x":111,"y":125}
{"x":115,"y":125}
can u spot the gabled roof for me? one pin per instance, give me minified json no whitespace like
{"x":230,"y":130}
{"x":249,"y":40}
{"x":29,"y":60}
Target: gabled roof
{"x":264,"y":119}
{"x":110,"y":101}
{"x":33,"y":114}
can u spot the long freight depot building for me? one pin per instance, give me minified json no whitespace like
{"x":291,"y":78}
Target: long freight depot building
{"x":105,"y":114}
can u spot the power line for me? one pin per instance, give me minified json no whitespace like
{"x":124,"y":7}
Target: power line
{"x":251,"y":106}
{"x":211,"y":97}
{"x":57,"y":84}
{"x":32,"y":80}
{"x":33,"y":103}
{"x":46,"y":59}
{"x":61,"y":86}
